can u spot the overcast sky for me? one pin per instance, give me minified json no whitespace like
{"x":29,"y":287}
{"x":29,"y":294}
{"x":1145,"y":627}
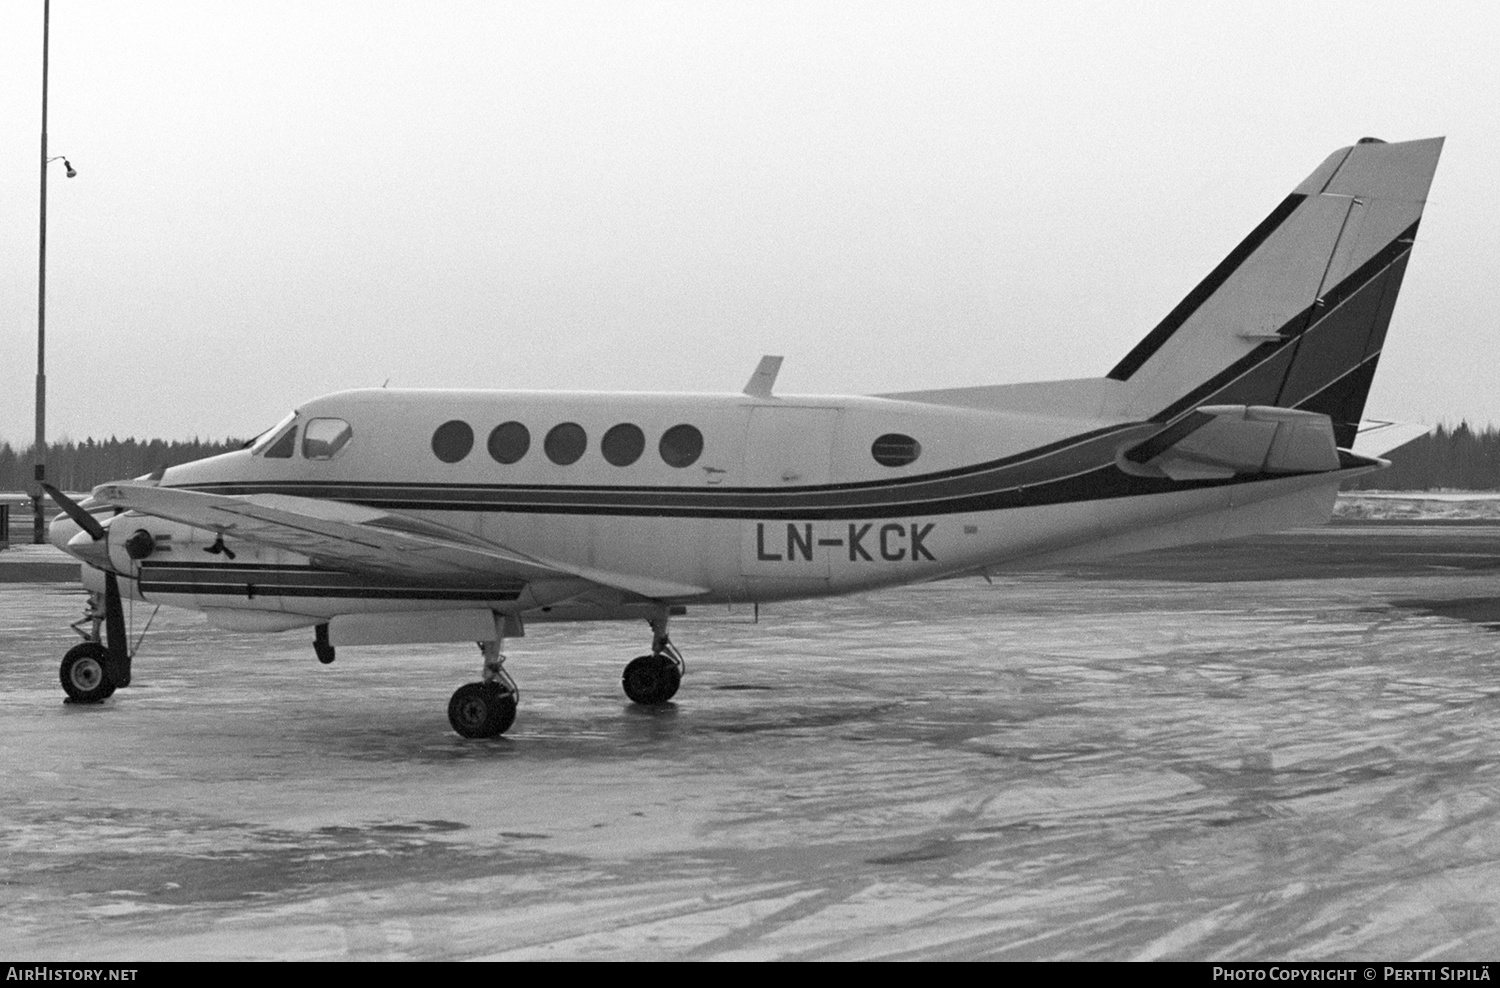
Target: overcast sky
{"x":278,"y":200}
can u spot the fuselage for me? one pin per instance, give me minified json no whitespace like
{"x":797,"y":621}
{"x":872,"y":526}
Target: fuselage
{"x":721,"y":498}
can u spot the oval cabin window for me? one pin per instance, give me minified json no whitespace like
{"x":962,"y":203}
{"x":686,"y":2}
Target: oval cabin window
{"x":509,"y":442}
{"x":895,"y":450}
{"x":681,"y":446}
{"x":452,"y":441}
{"x":623,"y":444}
{"x":565,"y":443}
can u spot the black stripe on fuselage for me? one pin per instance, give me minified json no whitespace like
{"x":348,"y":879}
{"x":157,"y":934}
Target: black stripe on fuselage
{"x":254,"y":590}
{"x":1158,"y":337}
{"x":1039,"y":466}
{"x":272,"y":580}
{"x":1221,"y":388}
{"x":1098,"y":482}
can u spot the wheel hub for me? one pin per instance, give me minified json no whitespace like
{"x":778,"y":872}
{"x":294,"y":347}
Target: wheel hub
{"x":471,"y":710}
{"x":86,"y":674}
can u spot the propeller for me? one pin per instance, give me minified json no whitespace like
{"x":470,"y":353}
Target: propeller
{"x":117,"y":661}
{"x":75,"y":511}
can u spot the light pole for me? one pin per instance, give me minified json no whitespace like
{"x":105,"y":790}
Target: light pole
{"x":39,"y":450}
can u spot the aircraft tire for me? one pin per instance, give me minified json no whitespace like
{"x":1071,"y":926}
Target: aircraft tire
{"x":482,"y":710}
{"x":651,"y":680}
{"x":85,"y":673}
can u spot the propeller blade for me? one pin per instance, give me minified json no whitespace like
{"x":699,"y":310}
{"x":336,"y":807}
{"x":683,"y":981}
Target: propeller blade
{"x":73,"y":510}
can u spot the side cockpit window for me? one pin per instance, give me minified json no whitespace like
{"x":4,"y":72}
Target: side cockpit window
{"x":324,"y":438}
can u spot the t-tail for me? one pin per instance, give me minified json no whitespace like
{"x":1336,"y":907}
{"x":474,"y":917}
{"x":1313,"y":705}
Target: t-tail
{"x":1296,"y":316}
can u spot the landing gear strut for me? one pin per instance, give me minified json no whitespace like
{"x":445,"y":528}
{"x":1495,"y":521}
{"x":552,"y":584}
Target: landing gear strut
{"x":653,"y":679}
{"x":487,"y":709}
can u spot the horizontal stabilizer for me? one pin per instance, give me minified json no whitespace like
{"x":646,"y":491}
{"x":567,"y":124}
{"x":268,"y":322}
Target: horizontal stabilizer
{"x":1377,"y":438}
{"x":1220,"y":441}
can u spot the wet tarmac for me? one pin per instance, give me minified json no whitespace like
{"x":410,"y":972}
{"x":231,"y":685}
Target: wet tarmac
{"x":1143,"y":760}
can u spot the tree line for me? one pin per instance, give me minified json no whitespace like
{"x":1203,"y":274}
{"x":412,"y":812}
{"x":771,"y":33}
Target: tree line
{"x":1457,"y":457}
{"x":81,"y":466}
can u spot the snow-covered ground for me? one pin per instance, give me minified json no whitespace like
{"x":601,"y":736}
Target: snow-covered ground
{"x":1298,"y":766}
{"x":1439,"y":505}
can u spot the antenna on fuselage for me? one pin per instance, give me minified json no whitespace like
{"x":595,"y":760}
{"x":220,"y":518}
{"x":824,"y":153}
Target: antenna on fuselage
{"x":764,"y":378}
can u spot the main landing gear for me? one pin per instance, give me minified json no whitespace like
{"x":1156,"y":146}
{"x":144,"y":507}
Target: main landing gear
{"x":486,"y":709}
{"x":653,"y":679}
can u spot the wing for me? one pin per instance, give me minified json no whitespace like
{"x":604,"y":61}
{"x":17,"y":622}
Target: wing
{"x":357,"y":539}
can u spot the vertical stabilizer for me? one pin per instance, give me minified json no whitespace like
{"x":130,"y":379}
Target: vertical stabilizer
{"x":1296,"y":315}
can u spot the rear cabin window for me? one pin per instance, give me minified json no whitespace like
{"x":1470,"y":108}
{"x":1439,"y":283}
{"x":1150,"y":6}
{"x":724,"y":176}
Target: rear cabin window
{"x":895,"y":450}
{"x":681,"y":446}
{"x":565,"y":443}
{"x":452,"y":441}
{"x":324,"y":438}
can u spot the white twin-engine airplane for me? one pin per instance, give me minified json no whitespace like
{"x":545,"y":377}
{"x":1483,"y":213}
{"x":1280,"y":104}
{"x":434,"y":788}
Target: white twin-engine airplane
{"x":386,"y":516}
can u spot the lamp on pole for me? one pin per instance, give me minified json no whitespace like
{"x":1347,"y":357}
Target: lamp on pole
{"x":39,"y":449}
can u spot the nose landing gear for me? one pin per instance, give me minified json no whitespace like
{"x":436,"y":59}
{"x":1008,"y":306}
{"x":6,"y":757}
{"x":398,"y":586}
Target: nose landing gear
{"x":93,"y":670}
{"x":83,"y":673}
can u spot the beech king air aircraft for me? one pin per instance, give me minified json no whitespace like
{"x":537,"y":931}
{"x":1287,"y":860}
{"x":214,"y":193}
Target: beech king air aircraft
{"x":387,"y":516}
